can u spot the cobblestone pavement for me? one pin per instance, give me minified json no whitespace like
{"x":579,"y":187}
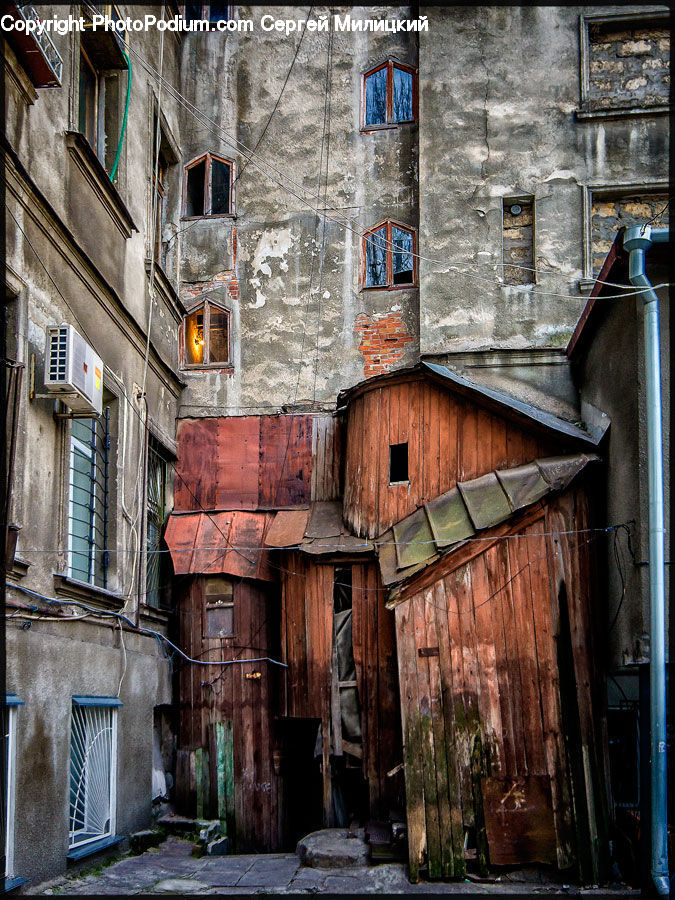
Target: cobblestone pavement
{"x":171,"y":869}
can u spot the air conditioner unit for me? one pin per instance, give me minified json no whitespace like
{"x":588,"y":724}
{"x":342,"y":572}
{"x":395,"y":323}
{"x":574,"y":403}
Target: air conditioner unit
{"x":73,"y":371}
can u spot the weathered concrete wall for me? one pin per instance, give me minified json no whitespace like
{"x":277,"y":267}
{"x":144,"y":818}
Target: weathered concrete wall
{"x":83,"y":269}
{"x":498,"y":107}
{"x":297,"y":322}
{"x":77,"y":658}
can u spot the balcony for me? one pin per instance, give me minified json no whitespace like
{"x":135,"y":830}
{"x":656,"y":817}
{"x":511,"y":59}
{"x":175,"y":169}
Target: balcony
{"x":37,"y":53}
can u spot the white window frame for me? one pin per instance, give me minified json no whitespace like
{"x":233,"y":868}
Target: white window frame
{"x":91,"y":708}
{"x":12,"y":702}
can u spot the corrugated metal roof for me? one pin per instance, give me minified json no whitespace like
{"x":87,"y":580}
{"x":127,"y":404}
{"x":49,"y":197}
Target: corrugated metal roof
{"x":220,"y":543}
{"x":437,"y":527}
{"x":318,"y":531}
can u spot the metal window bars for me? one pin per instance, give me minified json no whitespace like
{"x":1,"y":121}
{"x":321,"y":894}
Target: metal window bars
{"x":88,"y":500}
{"x":92,"y":774}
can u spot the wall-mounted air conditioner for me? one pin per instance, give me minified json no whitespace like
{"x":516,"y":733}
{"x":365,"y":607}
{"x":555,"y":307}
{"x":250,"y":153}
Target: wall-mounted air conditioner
{"x":73,"y":371}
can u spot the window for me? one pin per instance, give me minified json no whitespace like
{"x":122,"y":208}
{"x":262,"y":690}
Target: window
{"x":398,"y":463}
{"x":389,"y":96}
{"x":625,"y":61}
{"x":167,"y":157}
{"x":93,"y":769}
{"x":207,"y":187}
{"x":211,"y":12}
{"x":518,"y":239}
{"x":159,"y":185}
{"x":388,"y":256}
{"x":7,"y":802}
{"x":101,"y":97}
{"x":219,"y":607}
{"x":157,"y":572}
{"x":342,"y":589}
{"x":207,"y":336}
{"x":88,"y":500}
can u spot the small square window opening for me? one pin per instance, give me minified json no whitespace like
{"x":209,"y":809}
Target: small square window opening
{"x":388,"y":256}
{"x":219,"y":607}
{"x":207,"y":336}
{"x":398,"y":463}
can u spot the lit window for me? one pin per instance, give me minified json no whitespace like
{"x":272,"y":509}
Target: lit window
{"x":207,"y":339}
{"x":88,"y":500}
{"x":388,"y":256}
{"x":389,"y":95}
{"x":219,"y":607}
{"x":93,"y":764}
{"x":207,"y":187}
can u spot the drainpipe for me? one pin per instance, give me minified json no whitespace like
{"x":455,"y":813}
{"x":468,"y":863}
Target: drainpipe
{"x":636,"y":240}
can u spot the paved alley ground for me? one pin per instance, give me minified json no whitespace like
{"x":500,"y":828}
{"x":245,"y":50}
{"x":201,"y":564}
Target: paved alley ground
{"x":171,"y":869}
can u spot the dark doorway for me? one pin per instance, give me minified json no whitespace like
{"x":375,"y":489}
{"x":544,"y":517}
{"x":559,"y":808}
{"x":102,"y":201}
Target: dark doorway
{"x":301,"y":778}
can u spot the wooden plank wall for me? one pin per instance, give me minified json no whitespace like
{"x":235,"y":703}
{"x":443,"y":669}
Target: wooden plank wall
{"x":489,"y":697}
{"x":227,"y":724}
{"x":307,"y":615}
{"x":449,"y":440}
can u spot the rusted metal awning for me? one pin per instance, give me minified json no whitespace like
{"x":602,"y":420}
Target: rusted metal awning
{"x":436,"y":527}
{"x":319,"y":530}
{"x":220,"y":543}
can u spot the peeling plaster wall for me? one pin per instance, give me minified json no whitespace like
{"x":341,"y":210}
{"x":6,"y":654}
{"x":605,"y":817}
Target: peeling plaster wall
{"x":294,"y":323}
{"x":499,"y":88}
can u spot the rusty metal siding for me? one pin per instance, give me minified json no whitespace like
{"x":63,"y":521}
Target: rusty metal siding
{"x":255,"y":462}
{"x":479,"y":687}
{"x":449,"y":440}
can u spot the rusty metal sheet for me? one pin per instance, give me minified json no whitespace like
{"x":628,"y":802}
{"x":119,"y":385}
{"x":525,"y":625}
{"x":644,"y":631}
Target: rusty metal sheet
{"x":449,"y":519}
{"x":485,"y":500}
{"x":288,"y":528}
{"x":560,"y":470}
{"x":523,"y":485}
{"x":350,"y":543}
{"x":204,"y":544}
{"x":180,"y":537}
{"x":519,"y":819}
{"x":414,"y":540}
{"x":325,"y":520}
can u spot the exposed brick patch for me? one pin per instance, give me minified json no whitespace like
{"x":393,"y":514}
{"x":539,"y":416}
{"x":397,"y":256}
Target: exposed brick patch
{"x":383,"y":339}
{"x":518,"y":235}
{"x":628,"y":66}
{"x":192,"y":289}
{"x":608,"y":214}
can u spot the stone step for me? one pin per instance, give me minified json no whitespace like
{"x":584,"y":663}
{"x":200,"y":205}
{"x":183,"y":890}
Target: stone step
{"x":333,"y":848}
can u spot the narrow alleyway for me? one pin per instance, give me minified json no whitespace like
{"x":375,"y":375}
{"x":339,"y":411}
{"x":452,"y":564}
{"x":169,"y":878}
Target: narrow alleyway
{"x":171,"y":869}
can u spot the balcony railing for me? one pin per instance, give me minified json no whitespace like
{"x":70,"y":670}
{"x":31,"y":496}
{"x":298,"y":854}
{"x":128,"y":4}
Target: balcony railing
{"x":37,"y":52}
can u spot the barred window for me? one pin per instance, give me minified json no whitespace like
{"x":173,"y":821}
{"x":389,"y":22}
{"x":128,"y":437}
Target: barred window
{"x":88,"y":500}
{"x":158,"y":566}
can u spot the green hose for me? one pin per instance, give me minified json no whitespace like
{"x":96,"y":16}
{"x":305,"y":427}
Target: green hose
{"x":124,"y":120}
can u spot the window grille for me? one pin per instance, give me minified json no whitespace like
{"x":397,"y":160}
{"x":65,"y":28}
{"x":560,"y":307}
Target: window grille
{"x":157,"y":565}
{"x":93,"y":754}
{"x":88,"y":500}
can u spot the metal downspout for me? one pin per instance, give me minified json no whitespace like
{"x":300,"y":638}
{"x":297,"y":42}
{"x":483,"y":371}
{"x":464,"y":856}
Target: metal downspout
{"x":636,"y":240}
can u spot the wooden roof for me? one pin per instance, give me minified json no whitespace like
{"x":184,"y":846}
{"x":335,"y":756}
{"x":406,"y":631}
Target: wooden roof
{"x":525,"y":414}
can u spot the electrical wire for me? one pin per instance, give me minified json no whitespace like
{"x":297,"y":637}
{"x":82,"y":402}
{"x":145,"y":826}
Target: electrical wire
{"x":237,"y":145}
{"x":146,"y":631}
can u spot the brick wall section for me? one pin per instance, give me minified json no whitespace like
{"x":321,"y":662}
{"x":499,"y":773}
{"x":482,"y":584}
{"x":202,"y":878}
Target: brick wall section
{"x":611,"y":213}
{"x":518,"y":242}
{"x":629,"y":67}
{"x":383,"y":338}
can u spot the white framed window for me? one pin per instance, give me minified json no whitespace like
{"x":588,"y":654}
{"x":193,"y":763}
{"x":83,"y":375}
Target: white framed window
{"x":88,"y":500}
{"x":7,"y":807}
{"x":93,"y":769}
